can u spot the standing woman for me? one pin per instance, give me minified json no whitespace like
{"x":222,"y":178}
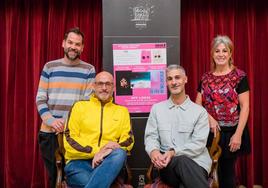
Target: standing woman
{"x":224,"y":92}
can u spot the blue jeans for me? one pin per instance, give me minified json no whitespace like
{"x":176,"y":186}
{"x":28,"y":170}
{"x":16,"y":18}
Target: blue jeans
{"x":80,"y":173}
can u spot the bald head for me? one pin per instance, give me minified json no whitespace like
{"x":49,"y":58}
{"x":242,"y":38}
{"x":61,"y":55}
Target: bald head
{"x":104,"y":75}
{"x":104,"y":86}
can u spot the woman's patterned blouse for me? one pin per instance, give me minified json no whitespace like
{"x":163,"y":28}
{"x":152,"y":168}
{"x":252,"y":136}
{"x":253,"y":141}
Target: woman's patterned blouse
{"x":220,"y":95}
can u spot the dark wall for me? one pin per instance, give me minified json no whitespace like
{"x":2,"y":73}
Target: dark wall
{"x":122,"y":25}
{"x":140,"y":21}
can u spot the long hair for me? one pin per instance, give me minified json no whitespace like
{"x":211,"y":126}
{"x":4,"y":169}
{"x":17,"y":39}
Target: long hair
{"x":221,"y":39}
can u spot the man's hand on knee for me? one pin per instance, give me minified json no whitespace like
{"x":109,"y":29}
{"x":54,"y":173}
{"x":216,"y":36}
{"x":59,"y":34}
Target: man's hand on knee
{"x":112,"y":145}
{"x":157,"y":159}
{"x":168,"y":156}
{"x":99,"y":157}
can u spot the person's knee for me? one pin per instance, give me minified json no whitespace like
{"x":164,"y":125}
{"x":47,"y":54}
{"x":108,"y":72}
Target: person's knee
{"x":119,"y":154}
{"x":77,"y":176}
{"x":182,"y":162}
{"x":80,"y":180}
{"x":182,"y":159}
{"x":116,"y":158}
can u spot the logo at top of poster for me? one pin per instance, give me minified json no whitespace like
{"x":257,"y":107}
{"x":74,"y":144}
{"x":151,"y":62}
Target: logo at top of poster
{"x":141,"y":14}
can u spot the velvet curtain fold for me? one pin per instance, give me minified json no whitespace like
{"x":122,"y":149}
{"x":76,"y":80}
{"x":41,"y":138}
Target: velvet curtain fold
{"x":32,"y":32}
{"x":246,"y":23}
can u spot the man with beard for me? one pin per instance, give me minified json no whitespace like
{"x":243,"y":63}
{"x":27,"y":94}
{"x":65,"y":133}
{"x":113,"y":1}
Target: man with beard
{"x":176,"y":135}
{"x":62,"y":82}
{"x":97,"y":137}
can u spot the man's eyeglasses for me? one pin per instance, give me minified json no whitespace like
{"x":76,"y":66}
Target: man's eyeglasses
{"x":106,"y":84}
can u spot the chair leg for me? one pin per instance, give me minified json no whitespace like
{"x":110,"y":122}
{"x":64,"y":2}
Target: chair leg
{"x":129,"y":174}
{"x":149,"y":173}
{"x":59,"y":176}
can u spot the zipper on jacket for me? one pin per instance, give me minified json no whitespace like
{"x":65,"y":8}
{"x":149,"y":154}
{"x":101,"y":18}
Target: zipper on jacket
{"x":101,"y":120}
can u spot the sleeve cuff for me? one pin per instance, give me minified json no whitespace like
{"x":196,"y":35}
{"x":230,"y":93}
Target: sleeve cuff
{"x":50,"y":121}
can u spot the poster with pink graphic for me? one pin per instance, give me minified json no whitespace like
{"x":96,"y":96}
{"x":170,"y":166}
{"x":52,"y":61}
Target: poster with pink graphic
{"x":139,"y":75}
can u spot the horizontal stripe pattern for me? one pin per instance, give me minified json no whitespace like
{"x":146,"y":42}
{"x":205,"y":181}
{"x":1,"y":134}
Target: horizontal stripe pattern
{"x":60,"y":62}
{"x":60,"y":86}
{"x":63,"y":85}
{"x":66,"y":79}
{"x":60,"y":102}
{"x":57,"y":90}
{"x":70,"y":75}
{"x":60,"y":107}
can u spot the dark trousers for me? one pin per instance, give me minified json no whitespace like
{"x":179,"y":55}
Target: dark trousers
{"x":48,"y":144}
{"x":226,"y":172}
{"x":183,"y":172}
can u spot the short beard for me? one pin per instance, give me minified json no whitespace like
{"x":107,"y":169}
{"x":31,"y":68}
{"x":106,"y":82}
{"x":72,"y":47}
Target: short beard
{"x":71,"y":58}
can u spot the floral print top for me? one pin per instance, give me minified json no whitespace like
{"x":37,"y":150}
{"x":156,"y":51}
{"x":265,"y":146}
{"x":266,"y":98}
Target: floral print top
{"x":220,"y":95}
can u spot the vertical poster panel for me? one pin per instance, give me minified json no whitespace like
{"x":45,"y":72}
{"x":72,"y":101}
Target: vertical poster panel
{"x":139,"y":22}
{"x":139,"y":72}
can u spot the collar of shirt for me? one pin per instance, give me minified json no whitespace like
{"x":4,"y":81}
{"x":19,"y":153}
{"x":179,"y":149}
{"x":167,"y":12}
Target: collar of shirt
{"x":95,"y":99}
{"x":183,"y":106}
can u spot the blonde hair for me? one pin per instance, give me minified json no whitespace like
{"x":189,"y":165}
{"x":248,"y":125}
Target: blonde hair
{"x":221,"y":39}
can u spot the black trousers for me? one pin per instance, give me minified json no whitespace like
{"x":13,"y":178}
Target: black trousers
{"x":183,"y":172}
{"x":226,"y":172}
{"x":48,"y":144}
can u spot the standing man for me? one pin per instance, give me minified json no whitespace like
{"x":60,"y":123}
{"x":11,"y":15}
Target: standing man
{"x":98,"y":135}
{"x":62,"y":82}
{"x":176,"y":135}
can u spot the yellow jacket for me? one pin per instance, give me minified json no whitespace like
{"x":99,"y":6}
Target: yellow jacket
{"x":91,"y":126}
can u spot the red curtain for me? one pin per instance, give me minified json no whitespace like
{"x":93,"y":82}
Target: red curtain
{"x":32,"y":32}
{"x":246,"y":22}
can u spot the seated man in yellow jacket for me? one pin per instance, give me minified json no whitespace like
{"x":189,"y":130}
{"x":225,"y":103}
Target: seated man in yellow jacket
{"x":97,"y":137}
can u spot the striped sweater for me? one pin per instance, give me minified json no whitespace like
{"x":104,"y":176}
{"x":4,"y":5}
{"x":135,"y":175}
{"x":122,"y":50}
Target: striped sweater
{"x":60,"y":86}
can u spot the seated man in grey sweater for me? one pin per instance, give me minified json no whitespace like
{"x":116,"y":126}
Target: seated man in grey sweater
{"x":176,"y":135}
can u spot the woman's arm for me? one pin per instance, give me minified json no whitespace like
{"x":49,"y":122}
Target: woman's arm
{"x":235,"y":141}
{"x":213,"y":124}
